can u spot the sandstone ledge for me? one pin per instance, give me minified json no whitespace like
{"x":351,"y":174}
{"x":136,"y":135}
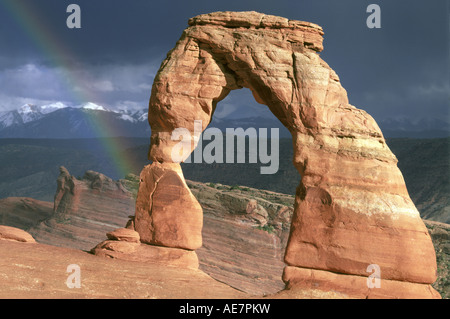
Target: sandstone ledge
{"x":40,"y":271}
{"x":15,"y":234}
{"x":146,"y":253}
{"x":124,"y":234}
{"x":309,"y":281}
{"x":250,"y":19}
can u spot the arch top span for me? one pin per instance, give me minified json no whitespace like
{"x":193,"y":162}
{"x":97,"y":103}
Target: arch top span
{"x":224,"y":51}
{"x":310,"y":32}
{"x":352,"y":207}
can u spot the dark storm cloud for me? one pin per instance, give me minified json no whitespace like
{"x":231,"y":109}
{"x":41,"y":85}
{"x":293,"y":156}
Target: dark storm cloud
{"x":400,"y":69}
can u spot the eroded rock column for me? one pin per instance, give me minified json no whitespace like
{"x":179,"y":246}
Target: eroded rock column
{"x":167,"y":214}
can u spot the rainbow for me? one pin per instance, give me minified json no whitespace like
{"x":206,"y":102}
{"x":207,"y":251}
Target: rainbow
{"x":62,"y":58}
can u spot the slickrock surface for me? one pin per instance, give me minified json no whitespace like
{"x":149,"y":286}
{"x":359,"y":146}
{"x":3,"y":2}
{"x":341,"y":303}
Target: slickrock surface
{"x":352,"y":208}
{"x":237,"y":250}
{"x":242,"y":251}
{"x":83,"y":210}
{"x":241,"y":247}
{"x":40,"y":271}
{"x":23,"y":212}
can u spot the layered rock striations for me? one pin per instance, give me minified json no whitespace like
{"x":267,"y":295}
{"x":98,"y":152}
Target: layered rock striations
{"x":82,"y":210}
{"x":23,"y":212}
{"x":352,"y":208}
{"x":124,"y":244}
{"x":236,"y":248}
{"x":35,"y":270}
{"x":244,"y":232}
{"x":15,"y":234}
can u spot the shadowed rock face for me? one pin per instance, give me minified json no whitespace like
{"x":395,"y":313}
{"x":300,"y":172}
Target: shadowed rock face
{"x":23,"y":212}
{"x":352,"y":207}
{"x":83,"y":209}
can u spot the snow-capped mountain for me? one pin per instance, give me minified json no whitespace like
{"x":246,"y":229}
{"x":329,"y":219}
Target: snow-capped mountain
{"x":30,"y":112}
{"x":134,"y":116}
{"x":93,"y":106}
{"x":10,"y":118}
{"x":45,"y":109}
{"x":27,"y":113}
{"x":58,"y":120}
{"x":91,"y":120}
{"x":24,"y":114}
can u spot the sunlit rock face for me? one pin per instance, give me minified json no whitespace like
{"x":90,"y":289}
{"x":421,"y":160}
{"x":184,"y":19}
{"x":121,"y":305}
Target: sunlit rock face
{"x":352,"y":207}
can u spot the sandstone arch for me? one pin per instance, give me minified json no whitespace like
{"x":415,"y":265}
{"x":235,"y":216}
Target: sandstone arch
{"x":352,"y":207}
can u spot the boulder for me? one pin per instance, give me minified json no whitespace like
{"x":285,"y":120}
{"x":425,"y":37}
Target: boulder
{"x":15,"y":234}
{"x":167,"y":214}
{"x":139,"y":252}
{"x":124,"y":234}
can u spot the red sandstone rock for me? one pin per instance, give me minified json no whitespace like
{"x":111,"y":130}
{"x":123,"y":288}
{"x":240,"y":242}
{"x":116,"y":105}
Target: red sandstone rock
{"x":15,"y":234}
{"x":147,"y":253}
{"x":167,"y":214}
{"x":40,"y":271}
{"x":257,"y":212}
{"x":352,"y":207}
{"x":124,"y":234}
{"x":23,"y":212}
{"x":352,"y":286}
{"x":84,"y":209}
{"x":115,"y":249}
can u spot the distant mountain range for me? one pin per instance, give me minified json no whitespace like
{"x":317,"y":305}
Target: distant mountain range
{"x":91,"y":120}
{"x":58,"y":121}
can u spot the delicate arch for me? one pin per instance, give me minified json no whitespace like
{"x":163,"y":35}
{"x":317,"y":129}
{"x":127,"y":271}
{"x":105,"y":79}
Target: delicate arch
{"x":352,"y":207}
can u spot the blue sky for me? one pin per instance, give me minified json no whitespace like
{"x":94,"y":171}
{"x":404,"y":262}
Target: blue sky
{"x":400,"y":70}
